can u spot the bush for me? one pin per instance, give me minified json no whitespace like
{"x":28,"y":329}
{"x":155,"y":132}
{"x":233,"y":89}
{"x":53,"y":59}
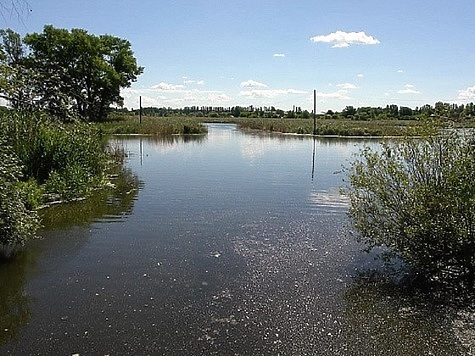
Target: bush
{"x":416,"y":198}
{"x":17,"y":222}
{"x":66,"y":159}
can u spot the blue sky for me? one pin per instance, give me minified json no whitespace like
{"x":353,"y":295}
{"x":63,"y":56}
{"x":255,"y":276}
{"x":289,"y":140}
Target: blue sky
{"x":276,"y":52}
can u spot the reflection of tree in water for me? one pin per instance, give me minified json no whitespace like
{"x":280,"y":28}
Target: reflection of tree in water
{"x":103,"y":204}
{"x":109,"y":203}
{"x":171,"y":140}
{"x":14,"y":304}
{"x":384,"y":318}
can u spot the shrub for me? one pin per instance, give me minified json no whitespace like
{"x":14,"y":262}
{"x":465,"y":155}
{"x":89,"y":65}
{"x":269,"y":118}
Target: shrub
{"x":416,"y":198}
{"x":17,"y":222}
{"x":66,"y":159}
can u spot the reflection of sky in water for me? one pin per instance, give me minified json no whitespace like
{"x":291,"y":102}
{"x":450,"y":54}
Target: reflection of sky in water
{"x":233,"y":246}
{"x":330,"y":199}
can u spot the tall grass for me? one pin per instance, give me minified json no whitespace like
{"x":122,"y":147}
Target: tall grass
{"x":153,"y":126}
{"x":63,"y":161}
{"x":18,"y":222}
{"x":331,"y":127}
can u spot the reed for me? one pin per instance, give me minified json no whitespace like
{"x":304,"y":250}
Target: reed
{"x":152,"y":125}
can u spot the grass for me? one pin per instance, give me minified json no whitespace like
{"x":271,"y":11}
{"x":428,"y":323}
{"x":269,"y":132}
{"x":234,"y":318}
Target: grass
{"x":152,"y":125}
{"x":183,"y":125}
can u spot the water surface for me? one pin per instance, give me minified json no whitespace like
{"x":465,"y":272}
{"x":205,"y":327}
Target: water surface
{"x":230,"y":244}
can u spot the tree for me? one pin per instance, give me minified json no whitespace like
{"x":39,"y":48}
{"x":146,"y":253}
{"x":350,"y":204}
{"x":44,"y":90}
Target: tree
{"x":13,"y":7}
{"x":67,"y":73}
{"x":416,"y":198}
{"x":87,"y":70}
{"x":348,"y":112}
{"x":16,"y":82}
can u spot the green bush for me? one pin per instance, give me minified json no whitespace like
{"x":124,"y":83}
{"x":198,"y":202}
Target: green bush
{"x":416,"y":198}
{"x":66,"y":159}
{"x":17,"y":221}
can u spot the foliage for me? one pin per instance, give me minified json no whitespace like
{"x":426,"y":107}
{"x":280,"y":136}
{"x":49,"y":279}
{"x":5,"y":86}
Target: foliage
{"x":66,"y":160}
{"x":332,"y":127}
{"x":17,"y":221}
{"x":416,"y":198}
{"x":444,"y":111}
{"x":67,"y":73}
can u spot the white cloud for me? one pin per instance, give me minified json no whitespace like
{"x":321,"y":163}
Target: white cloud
{"x":168,"y":87}
{"x":347,"y":86}
{"x":191,"y":81}
{"x":467,"y":95}
{"x":279,"y":55}
{"x":360,"y":75}
{"x":252,"y":84}
{"x":269,"y":93}
{"x":175,"y":96}
{"x":400,"y":71}
{"x":341,"y":39}
{"x":341,"y":94}
{"x":408,"y":89}
{"x":218,"y":97}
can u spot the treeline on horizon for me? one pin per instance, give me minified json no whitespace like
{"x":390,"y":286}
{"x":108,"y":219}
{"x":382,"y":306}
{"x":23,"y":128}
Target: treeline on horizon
{"x":440,"y":110}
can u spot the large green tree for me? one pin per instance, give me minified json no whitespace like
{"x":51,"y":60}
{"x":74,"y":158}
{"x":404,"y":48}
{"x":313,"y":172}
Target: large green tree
{"x":16,"y":81}
{"x":67,"y":73}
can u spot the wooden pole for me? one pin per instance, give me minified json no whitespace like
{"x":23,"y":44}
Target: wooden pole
{"x":314,"y":112}
{"x":140,"y":109}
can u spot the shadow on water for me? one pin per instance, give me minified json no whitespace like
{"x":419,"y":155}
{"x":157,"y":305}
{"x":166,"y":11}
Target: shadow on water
{"x":104,"y":205}
{"x":14,"y":304}
{"x":386,"y":318}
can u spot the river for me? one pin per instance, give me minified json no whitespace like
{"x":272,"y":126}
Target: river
{"x":230,"y":244}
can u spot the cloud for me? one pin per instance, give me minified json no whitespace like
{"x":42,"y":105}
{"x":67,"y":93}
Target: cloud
{"x":170,"y":95}
{"x":400,"y":71}
{"x":409,"y":89}
{"x":279,"y":55}
{"x":191,"y":81}
{"x":168,"y":87}
{"x":341,"y":94}
{"x":347,"y":86}
{"x":252,"y":84}
{"x":467,"y":94}
{"x":269,"y":93}
{"x":360,"y":75}
{"x":341,"y":39}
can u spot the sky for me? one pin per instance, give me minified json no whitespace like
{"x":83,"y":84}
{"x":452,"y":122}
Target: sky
{"x":224,"y":53}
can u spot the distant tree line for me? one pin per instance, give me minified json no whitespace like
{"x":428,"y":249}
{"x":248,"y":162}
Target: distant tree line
{"x":439,"y":110}
{"x":390,"y":112}
{"x":212,"y":111}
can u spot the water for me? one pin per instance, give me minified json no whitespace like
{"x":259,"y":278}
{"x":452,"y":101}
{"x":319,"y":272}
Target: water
{"x":230,"y":244}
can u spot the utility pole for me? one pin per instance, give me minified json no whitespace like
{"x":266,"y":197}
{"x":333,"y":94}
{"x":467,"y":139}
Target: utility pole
{"x":140,"y":109}
{"x":314,"y":112}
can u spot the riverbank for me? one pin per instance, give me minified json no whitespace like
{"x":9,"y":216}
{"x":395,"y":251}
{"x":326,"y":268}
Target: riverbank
{"x":156,"y":125}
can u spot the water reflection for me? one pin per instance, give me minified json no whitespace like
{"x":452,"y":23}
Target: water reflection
{"x":384,"y":319}
{"x":227,"y":247}
{"x":105,"y":206}
{"x":14,"y":304}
